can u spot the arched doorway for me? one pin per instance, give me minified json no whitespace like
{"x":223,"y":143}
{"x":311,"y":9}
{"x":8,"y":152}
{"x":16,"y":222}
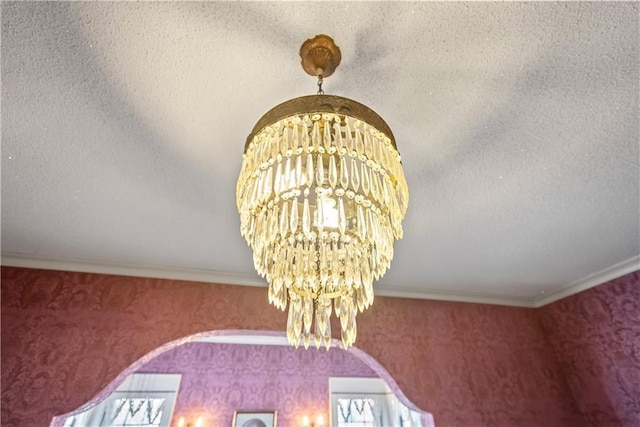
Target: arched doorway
{"x":249,"y":338}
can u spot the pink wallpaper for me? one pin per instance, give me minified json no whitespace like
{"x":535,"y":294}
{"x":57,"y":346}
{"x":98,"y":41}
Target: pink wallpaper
{"x":66,"y":335}
{"x":220,"y":378}
{"x":596,"y":337}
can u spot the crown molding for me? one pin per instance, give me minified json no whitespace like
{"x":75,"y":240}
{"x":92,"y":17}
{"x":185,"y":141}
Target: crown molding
{"x":221,"y":277}
{"x":440,"y":295}
{"x":135,"y":270}
{"x":599,"y":277}
{"x":228,"y":278}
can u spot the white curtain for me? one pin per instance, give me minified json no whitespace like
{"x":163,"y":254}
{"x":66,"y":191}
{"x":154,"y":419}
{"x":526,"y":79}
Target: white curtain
{"x":400,"y":415}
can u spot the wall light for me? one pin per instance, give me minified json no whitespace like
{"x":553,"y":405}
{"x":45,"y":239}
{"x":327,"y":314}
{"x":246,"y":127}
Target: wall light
{"x":319,"y":422}
{"x":182,"y":423}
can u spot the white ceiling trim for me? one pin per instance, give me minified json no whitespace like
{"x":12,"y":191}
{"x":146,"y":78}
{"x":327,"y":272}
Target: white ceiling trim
{"x":476,"y":298}
{"x":72,"y":264}
{"x":228,"y":278}
{"x":592,"y":280}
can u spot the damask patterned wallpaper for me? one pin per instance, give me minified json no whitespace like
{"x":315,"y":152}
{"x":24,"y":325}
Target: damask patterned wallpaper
{"x":596,"y":337}
{"x":66,"y":336}
{"x":220,"y":378}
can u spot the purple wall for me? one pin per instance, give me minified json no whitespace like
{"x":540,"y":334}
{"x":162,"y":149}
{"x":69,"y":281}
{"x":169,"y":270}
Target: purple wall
{"x":67,"y":335}
{"x":220,"y":378}
{"x":596,"y":337}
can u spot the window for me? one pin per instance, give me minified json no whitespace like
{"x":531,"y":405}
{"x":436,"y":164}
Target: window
{"x":356,"y":412}
{"x":142,"y":400}
{"x":139,"y":412}
{"x":368,"y":402}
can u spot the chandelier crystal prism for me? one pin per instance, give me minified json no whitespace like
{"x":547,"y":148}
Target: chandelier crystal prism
{"x":321,"y":197}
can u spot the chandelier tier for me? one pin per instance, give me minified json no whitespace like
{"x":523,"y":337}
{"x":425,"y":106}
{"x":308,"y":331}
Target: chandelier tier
{"x":321,"y":197}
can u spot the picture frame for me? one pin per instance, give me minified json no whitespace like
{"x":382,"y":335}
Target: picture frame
{"x":254,"y":419}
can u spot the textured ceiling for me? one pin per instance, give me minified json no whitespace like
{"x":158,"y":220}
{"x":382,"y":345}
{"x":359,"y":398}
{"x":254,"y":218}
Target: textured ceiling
{"x":123,"y":126}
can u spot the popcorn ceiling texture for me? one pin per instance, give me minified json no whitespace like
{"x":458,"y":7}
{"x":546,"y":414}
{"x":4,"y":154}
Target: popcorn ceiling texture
{"x":123,"y":125}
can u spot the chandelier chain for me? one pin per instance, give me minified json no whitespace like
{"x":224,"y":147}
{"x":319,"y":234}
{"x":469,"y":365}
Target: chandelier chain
{"x":320,"y":81}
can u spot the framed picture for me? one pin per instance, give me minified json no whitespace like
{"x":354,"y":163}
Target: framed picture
{"x":254,"y":419}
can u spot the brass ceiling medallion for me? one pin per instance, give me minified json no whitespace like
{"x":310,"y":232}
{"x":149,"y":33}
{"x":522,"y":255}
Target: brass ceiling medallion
{"x":321,"y":196}
{"x":320,"y":56}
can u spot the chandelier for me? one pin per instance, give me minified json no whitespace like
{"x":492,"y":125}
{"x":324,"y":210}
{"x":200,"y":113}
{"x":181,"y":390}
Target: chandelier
{"x":321,"y":197}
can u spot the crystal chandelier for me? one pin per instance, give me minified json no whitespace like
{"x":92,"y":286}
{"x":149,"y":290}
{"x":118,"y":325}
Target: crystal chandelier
{"x":321,"y":197}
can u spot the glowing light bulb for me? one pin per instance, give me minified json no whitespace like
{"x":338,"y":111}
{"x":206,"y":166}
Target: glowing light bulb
{"x":320,"y":421}
{"x":329,"y":211}
{"x":305,"y":421}
{"x":199,"y":422}
{"x":181,"y":422}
